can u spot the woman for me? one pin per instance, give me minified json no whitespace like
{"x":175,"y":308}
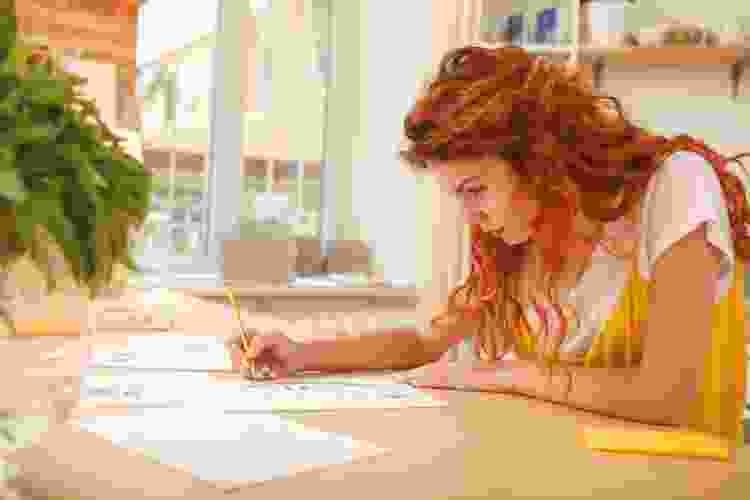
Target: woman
{"x":608,"y":261}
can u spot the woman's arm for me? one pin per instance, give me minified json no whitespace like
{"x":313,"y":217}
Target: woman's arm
{"x":660,"y":389}
{"x":395,"y":349}
{"x":678,"y":336}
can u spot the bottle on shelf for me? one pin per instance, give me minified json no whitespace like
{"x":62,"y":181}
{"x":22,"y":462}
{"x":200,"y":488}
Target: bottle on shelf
{"x":518,"y":32}
{"x":548,"y":27}
{"x":496,"y":29}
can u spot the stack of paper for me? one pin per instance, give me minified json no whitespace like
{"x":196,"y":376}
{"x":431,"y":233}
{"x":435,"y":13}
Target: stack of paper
{"x":316,"y":396}
{"x":102,"y":387}
{"x":166,"y":352}
{"x":228,"y":449}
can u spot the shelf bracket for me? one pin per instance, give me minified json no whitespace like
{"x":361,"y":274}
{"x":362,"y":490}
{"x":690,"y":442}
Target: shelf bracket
{"x":736,"y":72}
{"x":598,"y":71}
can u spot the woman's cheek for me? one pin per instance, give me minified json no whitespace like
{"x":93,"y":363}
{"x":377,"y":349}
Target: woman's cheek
{"x":471,"y":204}
{"x":493,"y":208}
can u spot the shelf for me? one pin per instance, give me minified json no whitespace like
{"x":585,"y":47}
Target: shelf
{"x":666,"y":56}
{"x":643,"y":56}
{"x":735,"y":59}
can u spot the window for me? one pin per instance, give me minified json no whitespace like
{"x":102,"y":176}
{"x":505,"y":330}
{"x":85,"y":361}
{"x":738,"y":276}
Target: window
{"x":284,"y":137}
{"x":173,"y":89}
{"x":183,"y":72}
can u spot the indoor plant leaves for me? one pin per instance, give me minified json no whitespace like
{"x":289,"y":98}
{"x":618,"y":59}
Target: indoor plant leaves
{"x":65,"y":180}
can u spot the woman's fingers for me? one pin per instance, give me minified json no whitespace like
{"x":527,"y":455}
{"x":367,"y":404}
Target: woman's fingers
{"x":280,"y":370}
{"x":266,"y":357}
{"x":238,"y":360}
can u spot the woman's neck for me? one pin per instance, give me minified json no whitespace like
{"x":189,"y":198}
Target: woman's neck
{"x":534,"y":280}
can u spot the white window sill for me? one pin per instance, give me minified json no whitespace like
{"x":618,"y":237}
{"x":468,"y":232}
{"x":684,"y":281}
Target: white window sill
{"x":211,"y":285}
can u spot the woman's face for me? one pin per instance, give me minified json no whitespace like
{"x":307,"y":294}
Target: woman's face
{"x":485,"y":188}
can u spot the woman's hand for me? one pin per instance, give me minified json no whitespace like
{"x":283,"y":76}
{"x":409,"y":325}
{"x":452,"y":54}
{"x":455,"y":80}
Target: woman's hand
{"x":270,"y":356}
{"x":500,"y":376}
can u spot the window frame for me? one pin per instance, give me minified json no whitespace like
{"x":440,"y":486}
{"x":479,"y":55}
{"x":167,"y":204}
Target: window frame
{"x":226,"y":146}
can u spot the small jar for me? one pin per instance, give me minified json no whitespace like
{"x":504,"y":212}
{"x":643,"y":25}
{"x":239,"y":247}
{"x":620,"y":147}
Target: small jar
{"x":603,"y":22}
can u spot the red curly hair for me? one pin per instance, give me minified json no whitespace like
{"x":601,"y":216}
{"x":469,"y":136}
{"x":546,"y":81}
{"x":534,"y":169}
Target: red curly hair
{"x":547,"y":122}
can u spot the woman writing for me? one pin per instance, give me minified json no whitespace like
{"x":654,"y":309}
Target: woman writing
{"x":607,"y":261}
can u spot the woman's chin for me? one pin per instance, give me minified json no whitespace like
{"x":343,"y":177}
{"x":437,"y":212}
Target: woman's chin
{"x":508,"y":237}
{"x":514,"y":240}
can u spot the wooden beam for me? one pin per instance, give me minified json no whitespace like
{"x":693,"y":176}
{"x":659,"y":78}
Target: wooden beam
{"x":105,"y":31}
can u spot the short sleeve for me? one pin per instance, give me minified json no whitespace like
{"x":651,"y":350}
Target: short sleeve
{"x":681,"y":196}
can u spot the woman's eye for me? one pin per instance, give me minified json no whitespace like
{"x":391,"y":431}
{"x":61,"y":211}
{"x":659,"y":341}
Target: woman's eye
{"x":474,"y":190}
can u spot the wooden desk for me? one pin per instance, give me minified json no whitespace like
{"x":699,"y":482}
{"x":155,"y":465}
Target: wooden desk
{"x":497,"y":446}
{"x":480,"y":446}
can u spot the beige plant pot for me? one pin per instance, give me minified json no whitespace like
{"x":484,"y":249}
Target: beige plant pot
{"x":34,"y":312}
{"x":259,"y":262}
{"x":349,"y":256}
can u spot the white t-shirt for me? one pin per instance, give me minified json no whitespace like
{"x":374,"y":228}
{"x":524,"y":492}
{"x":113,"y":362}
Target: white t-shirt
{"x":681,"y":196}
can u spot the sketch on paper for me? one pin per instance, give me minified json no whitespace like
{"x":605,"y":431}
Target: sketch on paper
{"x":168,"y":352}
{"x":322,"y":395}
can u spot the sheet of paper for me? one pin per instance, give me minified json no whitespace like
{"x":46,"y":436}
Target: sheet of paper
{"x":320,"y":395}
{"x":114,"y":387}
{"x":166,"y":352}
{"x":228,"y":449}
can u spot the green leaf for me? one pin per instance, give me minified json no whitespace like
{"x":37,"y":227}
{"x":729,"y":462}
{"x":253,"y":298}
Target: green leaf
{"x":7,"y":157}
{"x":47,"y":211}
{"x":9,"y":104}
{"x":46,"y":91}
{"x":8,"y":83}
{"x":8,"y":30}
{"x":11,"y":186}
{"x":89,"y":179}
{"x":37,"y":133}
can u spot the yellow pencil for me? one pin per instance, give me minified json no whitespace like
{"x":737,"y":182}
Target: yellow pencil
{"x":243,"y":336}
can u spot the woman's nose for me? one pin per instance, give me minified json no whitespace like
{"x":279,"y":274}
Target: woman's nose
{"x":472,"y":216}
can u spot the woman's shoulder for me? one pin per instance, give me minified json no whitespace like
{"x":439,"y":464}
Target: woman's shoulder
{"x":684,"y":188}
{"x":684,"y":193}
{"x":686,"y":165}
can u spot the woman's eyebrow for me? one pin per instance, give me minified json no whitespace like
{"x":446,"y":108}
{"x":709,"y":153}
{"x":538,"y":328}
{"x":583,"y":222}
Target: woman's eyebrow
{"x":461,"y":185}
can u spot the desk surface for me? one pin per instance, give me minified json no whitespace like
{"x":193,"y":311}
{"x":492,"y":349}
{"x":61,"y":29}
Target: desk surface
{"x":479,"y":446}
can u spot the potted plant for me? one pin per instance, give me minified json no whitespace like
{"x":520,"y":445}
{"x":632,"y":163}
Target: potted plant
{"x":68,"y":190}
{"x":67,"y":186}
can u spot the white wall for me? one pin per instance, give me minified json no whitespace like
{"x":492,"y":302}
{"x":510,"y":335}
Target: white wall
{"x":382,"y":56}
{"x":396,"y":54}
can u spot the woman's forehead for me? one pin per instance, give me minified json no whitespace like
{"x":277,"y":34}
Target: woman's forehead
{"x":458,"y":168}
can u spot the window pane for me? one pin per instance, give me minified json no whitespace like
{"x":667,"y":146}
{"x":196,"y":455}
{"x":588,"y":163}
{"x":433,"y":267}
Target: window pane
{"x":174,"y":85}
{"x":287,"y":55}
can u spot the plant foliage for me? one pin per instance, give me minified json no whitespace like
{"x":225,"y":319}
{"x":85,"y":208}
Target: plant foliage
{"x":65,"y":178}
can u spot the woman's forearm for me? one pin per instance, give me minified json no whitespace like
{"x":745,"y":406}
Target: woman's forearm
{"x":385,"y":350}
{"x":616,"y":392}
